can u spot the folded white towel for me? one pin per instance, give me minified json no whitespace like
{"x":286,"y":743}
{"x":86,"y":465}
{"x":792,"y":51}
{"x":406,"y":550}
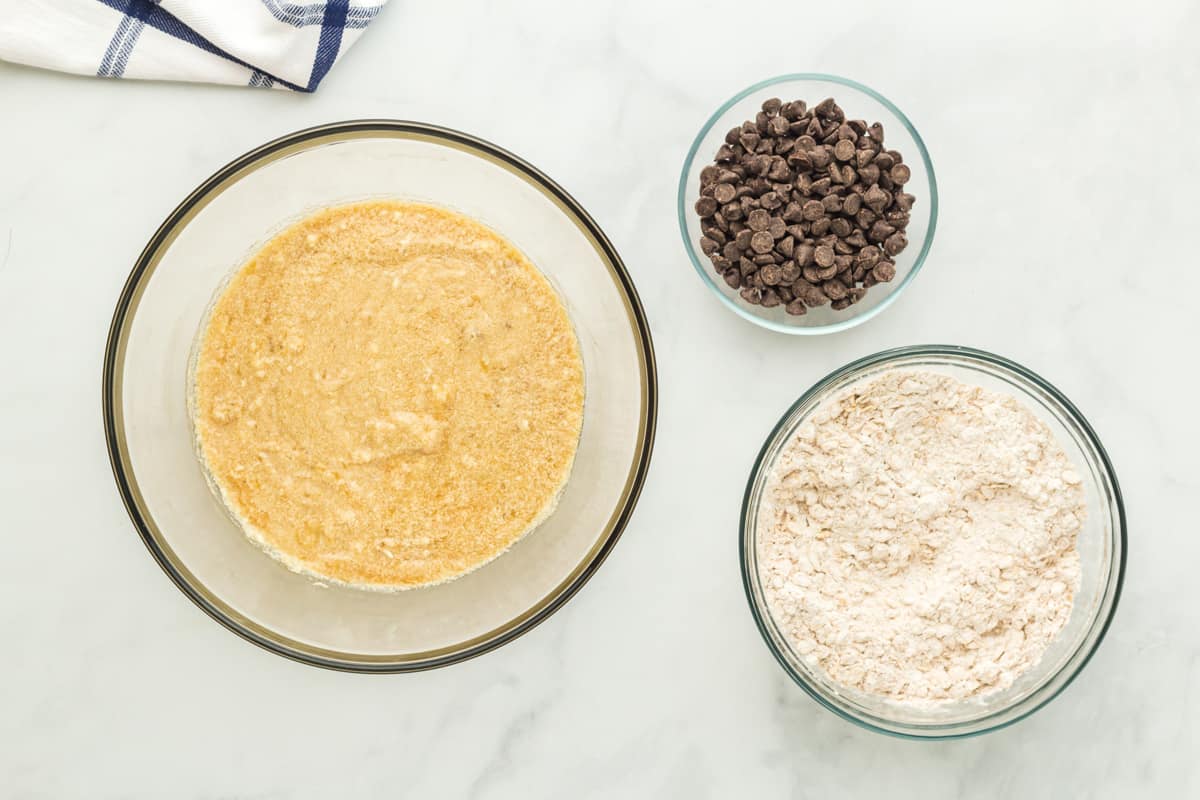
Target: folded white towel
{"x":267,"y":43}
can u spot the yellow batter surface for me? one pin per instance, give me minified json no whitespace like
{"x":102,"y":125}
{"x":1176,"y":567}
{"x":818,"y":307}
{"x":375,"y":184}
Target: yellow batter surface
{"x":388,"y":395}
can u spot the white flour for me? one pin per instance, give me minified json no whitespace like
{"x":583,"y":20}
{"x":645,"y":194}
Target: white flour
{"x":918,"y":539}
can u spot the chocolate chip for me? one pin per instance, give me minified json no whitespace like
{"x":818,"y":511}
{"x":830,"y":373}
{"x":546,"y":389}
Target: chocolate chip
{"x":771,"y":275}
{"x":762,"y":242}
{"x":895,"y":243}
{"x":793,"y":212}
{"x":772,"y":106}
{"x":900,"y":174}
{"x":884,"y":271}
{"x":827,"y":108}
{"x":800,"y":160}
{"x":724,"y":192}
{"x":796,"y":308}
{"x":880,"y":231}
{"x":868,"y":257}
{"x":794,"y":110}
{"x":707,"y":206}
{"x":770,"y":298}
{"x":820,"y":227}
{"x":770,"y":200}
{"x":835,"y":289}
{"x":823,"y":256}
{"x":804,"y":254}
{"x":838,"y":305}
{"x":779,"y":170}
{"x":810,"y":293}
{"x":841,"y":227}
{"x":813,"y":210}
{"x":733,"y":278}
{"x":708,"y":246}
{"x":875,"y":198}
{"x":844,"y":150}
{"x":777,"y":228}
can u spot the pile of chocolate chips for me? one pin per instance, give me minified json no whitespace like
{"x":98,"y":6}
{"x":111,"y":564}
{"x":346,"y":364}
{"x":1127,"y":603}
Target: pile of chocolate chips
{"x":803,"y":207}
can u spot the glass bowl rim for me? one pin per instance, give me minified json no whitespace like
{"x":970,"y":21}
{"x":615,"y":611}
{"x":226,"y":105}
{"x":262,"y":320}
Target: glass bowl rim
{"x":968,"y":354}
{"x":682,"y":208}
{"x":113,"y":418}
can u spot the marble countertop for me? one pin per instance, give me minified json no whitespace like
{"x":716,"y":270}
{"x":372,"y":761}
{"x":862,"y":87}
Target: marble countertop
{"x":1062,"y":138}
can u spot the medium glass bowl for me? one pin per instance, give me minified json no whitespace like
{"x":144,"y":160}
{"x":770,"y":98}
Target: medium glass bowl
{"x":1101,"y":548}
{"x":187,"y":529}
{"x":859,"y":102}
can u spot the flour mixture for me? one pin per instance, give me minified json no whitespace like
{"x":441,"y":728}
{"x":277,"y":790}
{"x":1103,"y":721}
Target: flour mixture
{"x":918,"y":538}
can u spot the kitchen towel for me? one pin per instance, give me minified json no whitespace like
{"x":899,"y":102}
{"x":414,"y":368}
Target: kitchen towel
{"x":265,"y":43}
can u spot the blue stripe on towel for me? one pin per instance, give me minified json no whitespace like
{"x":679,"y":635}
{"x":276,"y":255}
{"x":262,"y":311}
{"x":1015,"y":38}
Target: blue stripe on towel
{"x":122,"y":60}
{"x":114,"y":46}
{"x":330,"y":42}
{"x":300,"y":15}
{"x":148,"y":12}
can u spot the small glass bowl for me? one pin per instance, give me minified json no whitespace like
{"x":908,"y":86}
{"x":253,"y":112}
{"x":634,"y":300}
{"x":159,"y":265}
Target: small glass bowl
{"x":859,"y":102}
{"x":1102,"y":548}
{"x":148,"y":427}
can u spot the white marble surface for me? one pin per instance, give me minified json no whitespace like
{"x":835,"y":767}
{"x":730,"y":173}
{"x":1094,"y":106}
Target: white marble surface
{"x":1063,"y":138}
